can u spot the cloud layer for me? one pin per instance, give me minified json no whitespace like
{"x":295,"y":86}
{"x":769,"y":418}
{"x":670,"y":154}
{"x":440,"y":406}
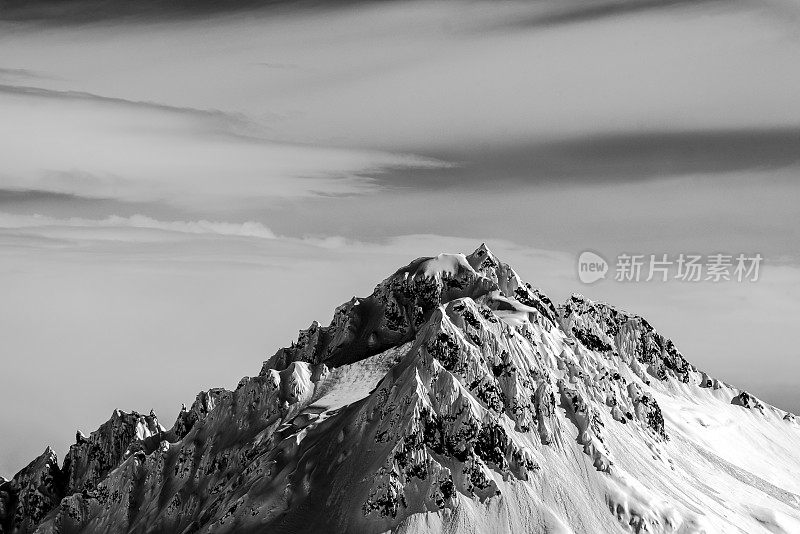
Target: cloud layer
{"x":44,"y":223}
{"x":81,"y":144}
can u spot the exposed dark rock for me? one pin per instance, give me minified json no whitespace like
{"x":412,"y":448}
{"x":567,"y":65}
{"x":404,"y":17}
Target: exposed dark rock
{"x":31,"y":494}
{"x":90,"y":459}
{"x":745,"y":400}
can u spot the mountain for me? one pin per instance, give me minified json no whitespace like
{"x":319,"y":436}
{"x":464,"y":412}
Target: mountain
{"x":455,"y":398}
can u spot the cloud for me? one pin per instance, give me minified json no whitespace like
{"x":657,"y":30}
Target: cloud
{"x":23,"y":197}
{"x":81,"y":11}
{"x":220,"y":119}
{"x":612,"y":157}
{"x":583,"y":12}
{"x":435,"y":76}
{"x":91,"y":146}
{"x":201,"y":227}
{"x":78,"y":12}
{"x":22,"y":73}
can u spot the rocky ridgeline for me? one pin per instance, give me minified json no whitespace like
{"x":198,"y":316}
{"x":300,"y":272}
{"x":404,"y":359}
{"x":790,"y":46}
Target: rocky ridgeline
{"x":36,"y":490}
{"x":604,"y":329}
{"x":91,"y":458}
{"x":26,"y":499}
{"x":187,"y":480}
{"x":494,"y":376}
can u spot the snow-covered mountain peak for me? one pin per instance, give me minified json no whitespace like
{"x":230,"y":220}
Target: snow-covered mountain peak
{"x":451,"y":266}
{"x":455,"y":397}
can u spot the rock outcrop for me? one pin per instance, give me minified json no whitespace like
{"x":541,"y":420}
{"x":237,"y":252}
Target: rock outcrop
{"x":31,"y":494}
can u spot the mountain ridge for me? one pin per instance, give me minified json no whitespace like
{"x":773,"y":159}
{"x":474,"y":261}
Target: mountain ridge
{"x":455,"y":395}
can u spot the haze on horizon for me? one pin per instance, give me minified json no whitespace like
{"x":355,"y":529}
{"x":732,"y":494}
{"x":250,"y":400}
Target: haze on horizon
{"x":181,"y":191}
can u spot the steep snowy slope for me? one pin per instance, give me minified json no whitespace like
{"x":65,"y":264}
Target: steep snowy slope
{"x":455,"y":398}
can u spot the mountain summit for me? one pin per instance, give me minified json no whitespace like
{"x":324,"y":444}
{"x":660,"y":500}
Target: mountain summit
{"x":454,"y":398}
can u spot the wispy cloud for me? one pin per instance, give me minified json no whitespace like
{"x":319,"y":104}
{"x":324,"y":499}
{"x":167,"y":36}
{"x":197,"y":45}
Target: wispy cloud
{"x":80,"y":12}
{"x":27,"y":74}
{"x":565,"y":13}
{"x":246,"y":229}
{"x":87,"y":145}
{"x":224,"y":122}
{"x":612,"y":157}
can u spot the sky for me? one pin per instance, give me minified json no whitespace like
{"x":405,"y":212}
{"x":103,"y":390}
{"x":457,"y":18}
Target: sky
{"x":183,"y":189}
